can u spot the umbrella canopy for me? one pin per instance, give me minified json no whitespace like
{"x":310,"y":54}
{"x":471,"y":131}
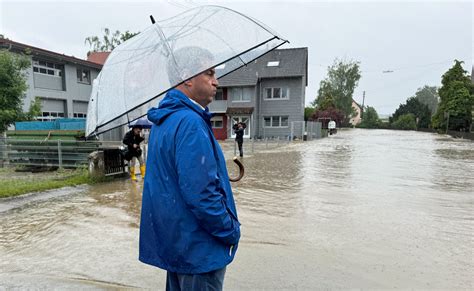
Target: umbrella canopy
{"x":139,"y":71}
{"x":143,"y":122}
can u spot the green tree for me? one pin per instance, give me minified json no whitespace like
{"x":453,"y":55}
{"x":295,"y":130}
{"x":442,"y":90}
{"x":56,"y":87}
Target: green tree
{"x":405,"y":122}
{"x":13,"y":86}
{"x":419,"y":110}
{"x":371,"y":118}
{"x":456,"y":99}
{"x":326,"y":103}
{"x":34,"y":110}
{"x":308,"y":112}
{"x":428,"y":95}
{"x":343,"y":77}
{"x":109,"y":40}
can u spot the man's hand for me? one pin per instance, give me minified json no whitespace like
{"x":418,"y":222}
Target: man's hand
{"x":135,"y":146}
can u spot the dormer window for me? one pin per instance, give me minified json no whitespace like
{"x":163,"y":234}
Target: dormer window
{"x":273,"y":64}
{"x":220,"y":67}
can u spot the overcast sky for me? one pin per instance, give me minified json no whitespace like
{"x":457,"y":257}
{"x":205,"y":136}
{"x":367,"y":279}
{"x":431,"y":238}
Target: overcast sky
{"x":418,"y":41}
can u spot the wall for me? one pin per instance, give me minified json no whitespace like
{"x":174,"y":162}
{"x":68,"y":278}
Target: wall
{"x":72,"y":89}
{"x":293,"y":107}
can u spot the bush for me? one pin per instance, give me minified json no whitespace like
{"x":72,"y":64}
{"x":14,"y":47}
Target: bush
{"x":405,"y":122}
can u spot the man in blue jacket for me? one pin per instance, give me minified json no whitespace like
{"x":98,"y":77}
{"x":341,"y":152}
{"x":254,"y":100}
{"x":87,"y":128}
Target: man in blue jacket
{"x":189,"y":223}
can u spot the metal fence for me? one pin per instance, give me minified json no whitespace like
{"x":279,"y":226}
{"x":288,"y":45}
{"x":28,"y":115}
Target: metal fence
{"x":49,"y":153}
{"x":305,"y":130}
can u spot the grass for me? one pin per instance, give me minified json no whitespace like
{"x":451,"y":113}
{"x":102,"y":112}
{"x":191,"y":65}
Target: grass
{"x":14,"y":184}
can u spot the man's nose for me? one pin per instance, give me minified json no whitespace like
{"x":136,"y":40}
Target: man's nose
{"x":215,"y":83}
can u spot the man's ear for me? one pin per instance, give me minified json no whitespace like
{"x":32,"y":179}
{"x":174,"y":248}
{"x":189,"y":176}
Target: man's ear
{"x":188,"y":83}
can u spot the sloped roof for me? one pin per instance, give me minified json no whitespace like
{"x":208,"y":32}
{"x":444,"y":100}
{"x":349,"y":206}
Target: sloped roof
{"x":35,"y":51}
{"x":292,"y":62}
{"x":97,"y":57}
{"x":357,"y":104}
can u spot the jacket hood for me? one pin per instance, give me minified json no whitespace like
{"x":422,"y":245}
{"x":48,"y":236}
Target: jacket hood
{"x":174,"y":101}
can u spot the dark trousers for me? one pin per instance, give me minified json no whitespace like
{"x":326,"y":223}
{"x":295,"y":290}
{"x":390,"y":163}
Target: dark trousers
{"x":241,"y":150}
{"x":212,"y":281}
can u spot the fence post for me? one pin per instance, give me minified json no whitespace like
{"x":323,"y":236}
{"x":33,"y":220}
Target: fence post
{"x":303,"y":129}
{"x":291,"y":131}
{"x":3,"y":151}
{"x":60,"y":154}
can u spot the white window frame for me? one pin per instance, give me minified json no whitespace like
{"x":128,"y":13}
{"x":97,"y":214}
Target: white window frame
{"x":50,"y":69}
{"x":50,"y":115}
{"x":273,"y":64}
{"x":80,"y":79}
{"x":217,"y":118}
{"x":221,"y":91}
{"x":279,"y":121}
{"x":241,"y":100}
{"x":79,"y":115}
{"x":272,"y":97}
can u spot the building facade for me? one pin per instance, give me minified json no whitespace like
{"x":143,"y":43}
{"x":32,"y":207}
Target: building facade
{"x":267,"y":94}
{"x":356,"y":119}
{"x":63,"y":83}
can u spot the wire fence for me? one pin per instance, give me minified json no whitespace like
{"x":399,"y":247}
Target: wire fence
{"x":49,"y":153}
{"x":71,"y":153}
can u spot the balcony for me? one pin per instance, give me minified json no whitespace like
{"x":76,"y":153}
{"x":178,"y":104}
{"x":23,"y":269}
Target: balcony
{"x":218,"y":106}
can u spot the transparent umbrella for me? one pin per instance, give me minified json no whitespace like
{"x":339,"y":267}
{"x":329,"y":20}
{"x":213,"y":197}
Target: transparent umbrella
{"x":143,"y":122}
{"x":141,"y":70}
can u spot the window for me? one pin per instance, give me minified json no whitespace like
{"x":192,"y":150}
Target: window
{"x":50,"y":115}
{"x":80,"y":115}
{"x":83,"y":76}
{"x":275,"y":121}
{"x":219,"y":95}
{"x":217,"y":122}
{"x":47,"y":68}
{"x":276,"y":93}
{"x":273,"y":64}
{"x":241,"y":94}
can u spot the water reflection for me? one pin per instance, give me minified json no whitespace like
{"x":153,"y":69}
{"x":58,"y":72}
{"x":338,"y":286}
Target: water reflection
{"x":451,"y":172}
{"x":271,"y":183}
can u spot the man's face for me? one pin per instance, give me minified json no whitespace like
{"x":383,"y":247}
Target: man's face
{"x":137,"y":131}
{"x":203,"y":87}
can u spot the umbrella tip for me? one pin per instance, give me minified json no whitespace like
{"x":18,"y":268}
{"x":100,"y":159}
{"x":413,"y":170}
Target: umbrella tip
{"x":152,"y":19}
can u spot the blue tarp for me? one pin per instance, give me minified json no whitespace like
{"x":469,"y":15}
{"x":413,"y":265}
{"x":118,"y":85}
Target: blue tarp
{"x":58,"y":124}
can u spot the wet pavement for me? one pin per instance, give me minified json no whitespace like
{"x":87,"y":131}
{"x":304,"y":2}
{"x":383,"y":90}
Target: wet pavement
{"x":361,"y":209}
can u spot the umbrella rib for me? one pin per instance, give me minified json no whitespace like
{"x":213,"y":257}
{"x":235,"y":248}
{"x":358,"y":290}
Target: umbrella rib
{"x":185,"y":25}
{"x":283,"y":42}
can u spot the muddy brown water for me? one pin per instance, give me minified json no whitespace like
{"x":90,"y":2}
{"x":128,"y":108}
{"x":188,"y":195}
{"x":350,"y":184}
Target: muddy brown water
{"x":361,"y":209}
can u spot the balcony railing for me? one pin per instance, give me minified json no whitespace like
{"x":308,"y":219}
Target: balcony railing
{"x":218,"y":106}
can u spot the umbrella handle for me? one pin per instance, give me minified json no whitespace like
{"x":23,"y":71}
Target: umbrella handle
{"x":241,"y":170}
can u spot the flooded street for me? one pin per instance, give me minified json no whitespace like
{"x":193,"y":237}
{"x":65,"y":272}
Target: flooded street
{"x":361,"y":209}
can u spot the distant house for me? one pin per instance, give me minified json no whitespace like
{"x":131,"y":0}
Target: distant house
{"x":267,"y":94}
{"x":357,"y":118}
{"x":63,"y":83}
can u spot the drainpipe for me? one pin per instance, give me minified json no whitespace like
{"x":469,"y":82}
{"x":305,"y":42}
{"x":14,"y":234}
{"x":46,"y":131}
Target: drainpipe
{"x":258,"y":117}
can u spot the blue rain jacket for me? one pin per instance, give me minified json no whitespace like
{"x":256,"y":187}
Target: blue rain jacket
{"x":189,"y":221}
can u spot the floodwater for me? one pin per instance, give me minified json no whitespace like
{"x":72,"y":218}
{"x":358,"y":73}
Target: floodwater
{"x":361,"y":209}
